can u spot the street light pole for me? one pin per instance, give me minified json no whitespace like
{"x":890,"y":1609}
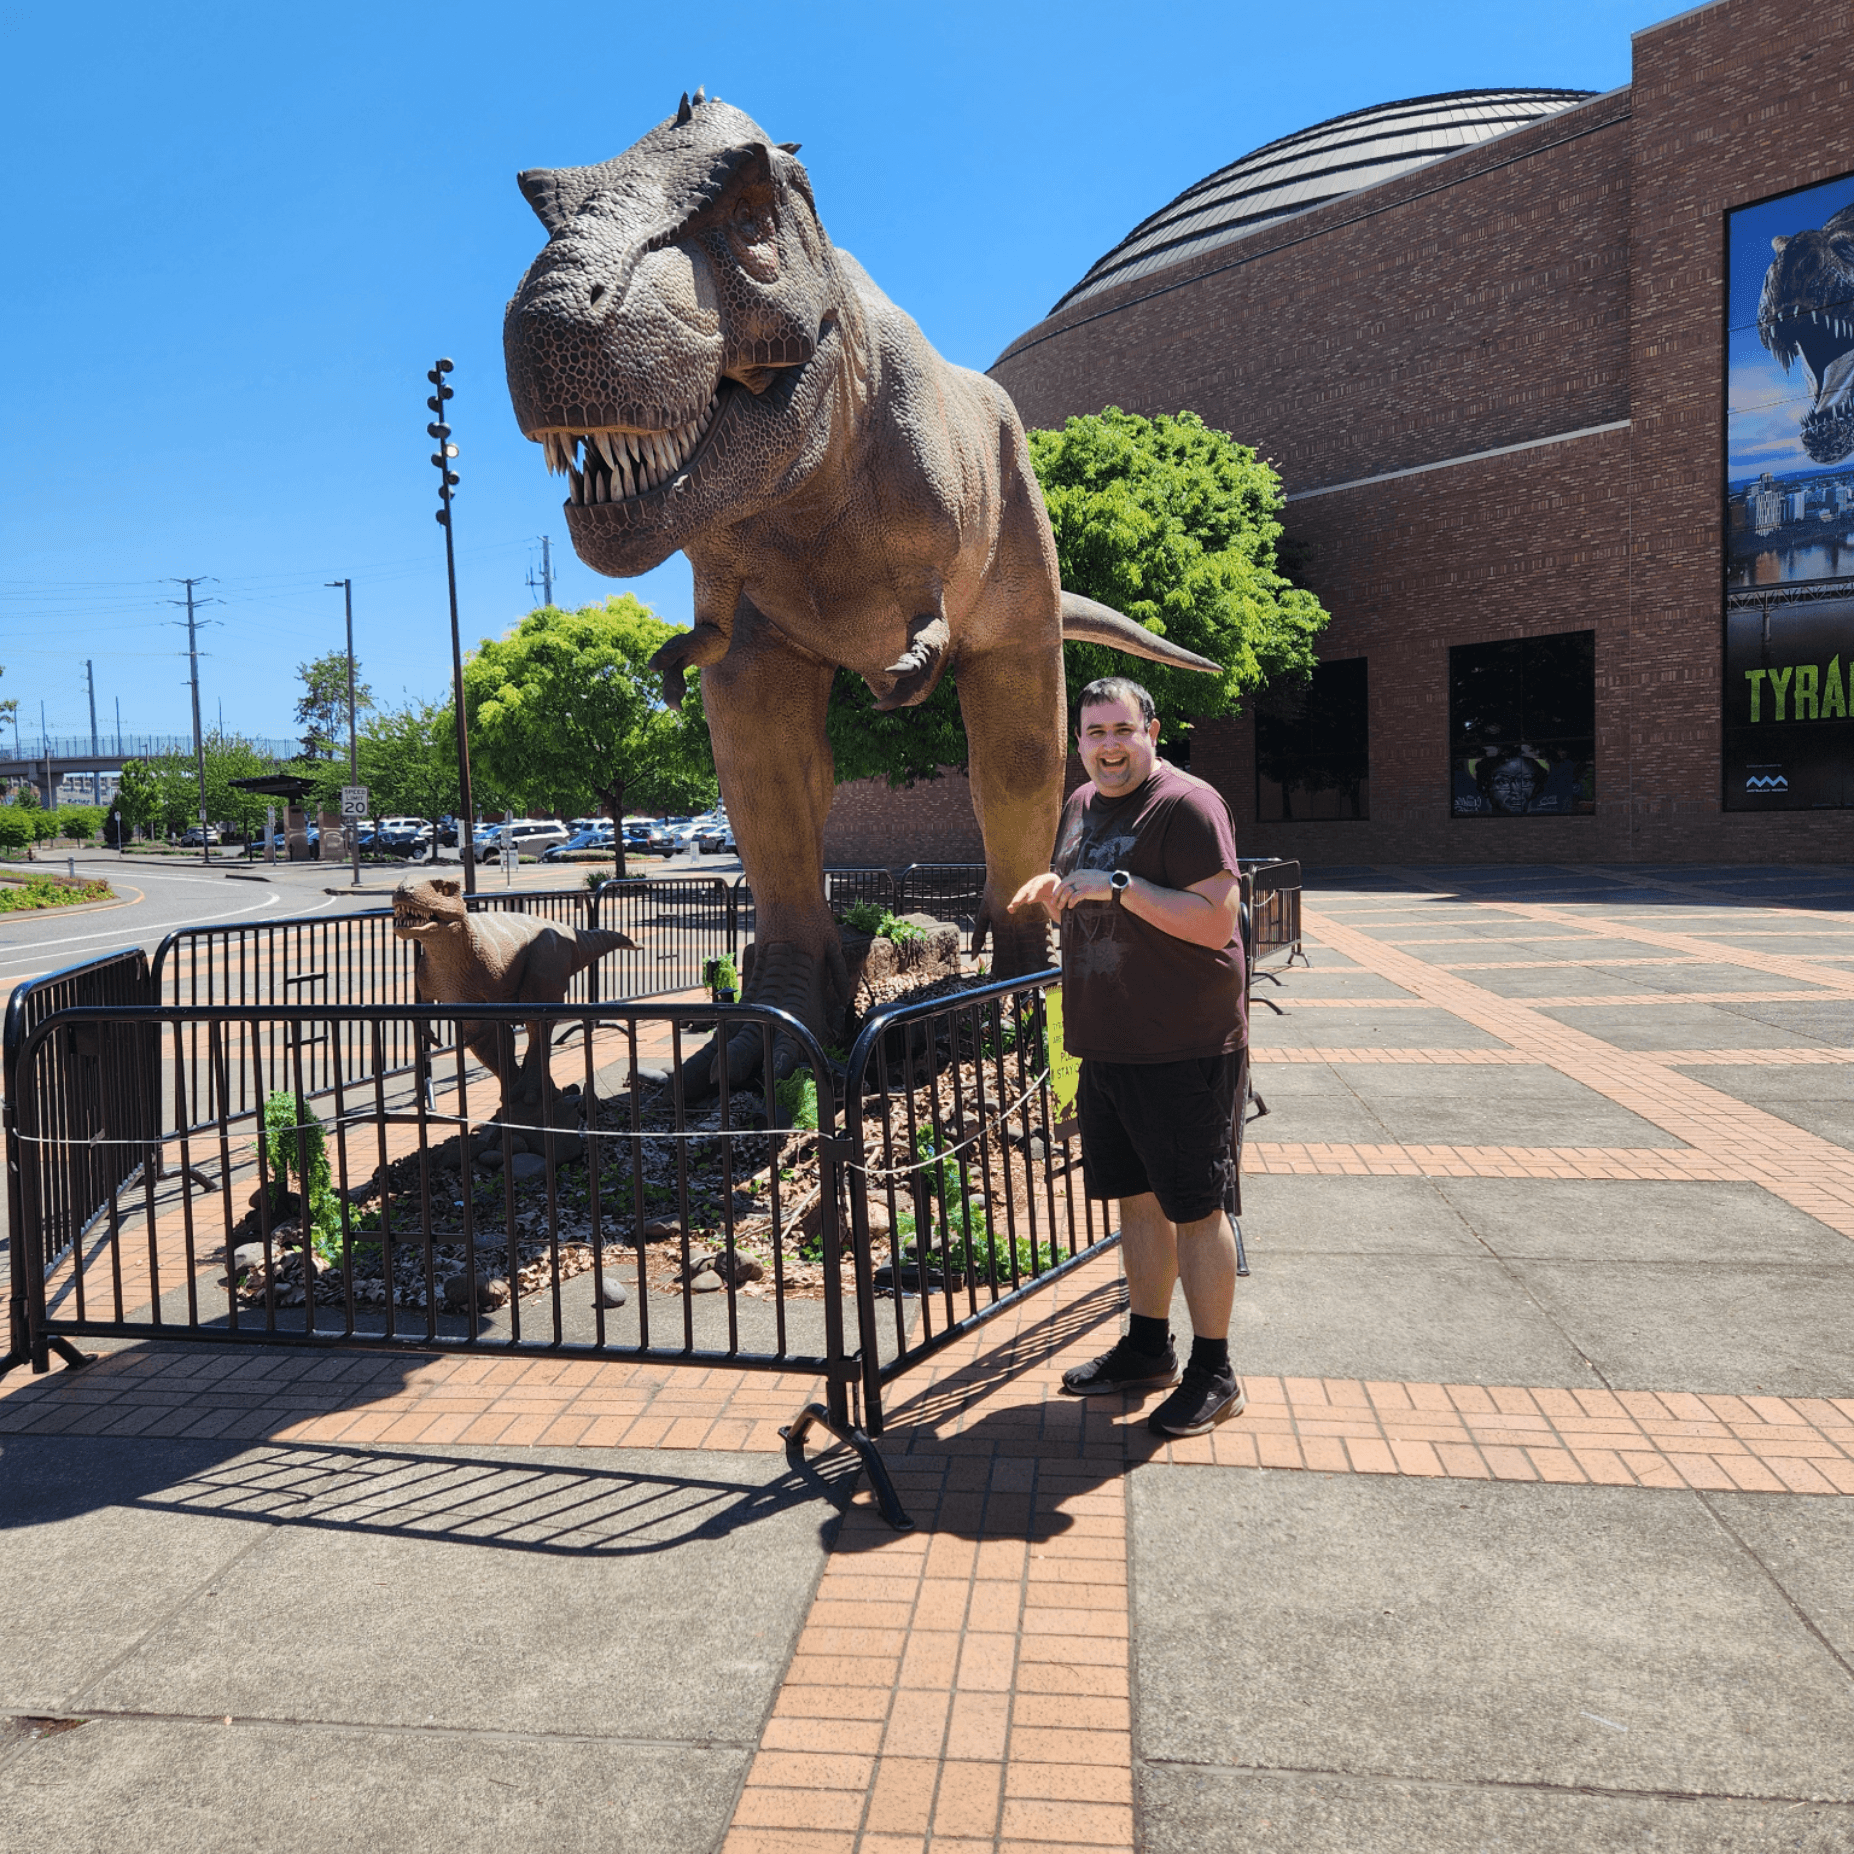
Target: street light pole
{"x":447,"y":481}
{"x":347,"y":594}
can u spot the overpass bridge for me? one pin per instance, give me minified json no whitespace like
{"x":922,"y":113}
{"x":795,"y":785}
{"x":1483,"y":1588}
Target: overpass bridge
{"x":47,"y":760}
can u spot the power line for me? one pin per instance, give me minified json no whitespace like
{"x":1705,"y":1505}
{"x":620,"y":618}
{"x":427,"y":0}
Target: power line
{"x":193,"y":660}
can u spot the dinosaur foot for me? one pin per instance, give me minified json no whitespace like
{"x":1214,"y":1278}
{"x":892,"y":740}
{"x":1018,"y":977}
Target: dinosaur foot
{"x":787,"y":977}
{"x":1017,"y":946}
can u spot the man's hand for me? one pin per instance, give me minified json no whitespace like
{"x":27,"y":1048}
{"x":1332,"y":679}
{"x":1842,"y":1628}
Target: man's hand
{"x":1057,"y":894}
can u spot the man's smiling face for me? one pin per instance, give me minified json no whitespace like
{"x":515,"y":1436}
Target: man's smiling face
{"x":1117,"y":747}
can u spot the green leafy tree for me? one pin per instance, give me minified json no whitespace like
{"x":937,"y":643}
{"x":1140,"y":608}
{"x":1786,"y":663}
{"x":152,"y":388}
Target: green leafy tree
{"x":565,"y":713}
{"x":1164,"y":519}
{"x":138,"y":797}
{"x":408,"y":762}
{"x":1178,"y":526}
{"x":322,"y":709}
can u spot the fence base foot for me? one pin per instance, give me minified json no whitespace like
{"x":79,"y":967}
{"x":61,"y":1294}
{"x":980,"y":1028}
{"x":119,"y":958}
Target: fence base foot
{"x":876,"y":1468}
{"x":74,"y":1360}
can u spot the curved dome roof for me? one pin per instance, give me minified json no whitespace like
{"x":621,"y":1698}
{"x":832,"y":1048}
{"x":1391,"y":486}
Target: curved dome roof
{"x":1309,"y":168}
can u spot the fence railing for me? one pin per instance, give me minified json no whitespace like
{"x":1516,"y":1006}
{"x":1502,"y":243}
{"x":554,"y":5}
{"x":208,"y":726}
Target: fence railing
{"x":1274,"y":903}
{"x":952,"y":891}
{"x":330,"y":1169}
{"x":964,"y":1171}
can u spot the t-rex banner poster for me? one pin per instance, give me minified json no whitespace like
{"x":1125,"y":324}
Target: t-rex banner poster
{"x":1789,"y":501}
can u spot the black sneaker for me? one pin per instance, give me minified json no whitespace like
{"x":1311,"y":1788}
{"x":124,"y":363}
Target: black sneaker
{"x":1122,"y":1369}
{"x":1202,"y":1401}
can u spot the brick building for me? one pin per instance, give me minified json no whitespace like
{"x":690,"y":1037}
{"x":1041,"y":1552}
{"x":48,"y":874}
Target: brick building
{"x":1484,"y":338}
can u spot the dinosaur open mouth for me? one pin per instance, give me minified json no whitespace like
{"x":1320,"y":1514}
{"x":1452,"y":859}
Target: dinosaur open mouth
{"x":1823,"y":340}
{"x":619,"y":465}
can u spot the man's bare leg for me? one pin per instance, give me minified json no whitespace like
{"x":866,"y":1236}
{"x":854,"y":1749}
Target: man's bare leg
{"x":1156,"y":1252}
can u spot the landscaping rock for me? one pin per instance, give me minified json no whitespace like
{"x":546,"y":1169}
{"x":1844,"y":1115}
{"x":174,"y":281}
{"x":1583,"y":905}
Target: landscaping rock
{"x":491,"y":1291}
{"x":608,"y":1291}
{"x":707,"y":1282}
{"x":879,"y":1221}
{"x":743,"y":1269}
{"x":526,"y":1165}
{"x":659,"y":1229}
{"x":490,"y":1159}
{"x":247,"y":1255}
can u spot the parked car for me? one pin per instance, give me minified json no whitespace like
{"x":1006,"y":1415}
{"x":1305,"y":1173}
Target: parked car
{"x":192,"y":839}
{"x":597,"y":838}
{"x":531,"y":837}
{"x":716,"y":839}
{"x":664,"y":835}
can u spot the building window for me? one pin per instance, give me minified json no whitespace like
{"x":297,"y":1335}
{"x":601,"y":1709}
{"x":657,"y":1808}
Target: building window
{"x":1312,"y":747}
{"x":1522,"y":727}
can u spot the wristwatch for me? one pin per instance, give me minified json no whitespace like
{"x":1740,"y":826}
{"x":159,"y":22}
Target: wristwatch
{"x":1119,"y":882}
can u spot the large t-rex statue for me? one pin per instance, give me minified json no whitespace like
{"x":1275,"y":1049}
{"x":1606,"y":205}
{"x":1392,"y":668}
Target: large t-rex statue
{"x":714,"y":375}
{"x":495,"y":958}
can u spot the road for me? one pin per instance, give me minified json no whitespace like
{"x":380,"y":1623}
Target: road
{"x":157,"y":900}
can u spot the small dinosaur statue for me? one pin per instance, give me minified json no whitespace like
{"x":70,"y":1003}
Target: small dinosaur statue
{"x":712,"y":374}
{"x":467,"y":958}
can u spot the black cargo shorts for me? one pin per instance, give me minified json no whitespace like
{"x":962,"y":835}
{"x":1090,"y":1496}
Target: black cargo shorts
{"x":1163,"y":1127}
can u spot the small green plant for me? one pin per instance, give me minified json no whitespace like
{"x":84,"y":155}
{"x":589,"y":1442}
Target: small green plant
{"x":960,"y":1238}
{"x":295,"y":1146}
{"x":867,"y":917}
{"x":797,"y":1099}
{"x":721,"y":974}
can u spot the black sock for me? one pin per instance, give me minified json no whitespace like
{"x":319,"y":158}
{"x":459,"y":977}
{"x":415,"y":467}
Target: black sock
{"x":1211,"y":1354}
{"x":1148,"y":1336}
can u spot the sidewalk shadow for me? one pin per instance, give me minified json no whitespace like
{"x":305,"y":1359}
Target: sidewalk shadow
{"x":984,"y":1451}
{"x":596,"y":1506}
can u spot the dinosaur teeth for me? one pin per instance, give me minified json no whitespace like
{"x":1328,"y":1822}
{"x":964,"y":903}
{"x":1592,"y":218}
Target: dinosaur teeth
{"x":579,"y":486}
{"x":606,"y":449}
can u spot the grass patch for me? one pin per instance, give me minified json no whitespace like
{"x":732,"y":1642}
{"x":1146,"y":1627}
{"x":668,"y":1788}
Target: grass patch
{"x":46,"y":891}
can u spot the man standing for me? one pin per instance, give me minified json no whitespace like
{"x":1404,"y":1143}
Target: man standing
{"x":1146,"y":893}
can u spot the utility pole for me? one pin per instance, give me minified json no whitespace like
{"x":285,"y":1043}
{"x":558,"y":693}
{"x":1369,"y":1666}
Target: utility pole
{"x":193,"y":659}
{"x":347,"y":594}
{"x":96,"y":772}
{"x":118,"y":725}
{"x":547,"y":571}
{"x":447,"y":481}
{"x":51,"y":791}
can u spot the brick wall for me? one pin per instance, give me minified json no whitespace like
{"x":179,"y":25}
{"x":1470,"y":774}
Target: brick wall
{"x":875,"y":825}
{"x":1570,"y":274}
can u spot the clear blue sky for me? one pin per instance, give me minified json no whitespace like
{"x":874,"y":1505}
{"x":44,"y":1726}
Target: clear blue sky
{"x":237,"y":236}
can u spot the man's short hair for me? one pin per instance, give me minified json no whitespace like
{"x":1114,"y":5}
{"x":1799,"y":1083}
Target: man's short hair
{"x":1118,"y":689}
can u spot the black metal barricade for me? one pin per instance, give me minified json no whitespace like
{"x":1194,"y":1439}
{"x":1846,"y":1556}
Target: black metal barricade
{"x":849,"y":888}
{"x":403,"y":1215}
{"x":679,"y":923}
{"x":964,"y":1174}
{"x":1276,"y":909}
{"x":101,"y":1092}
{"x":949,"y":891}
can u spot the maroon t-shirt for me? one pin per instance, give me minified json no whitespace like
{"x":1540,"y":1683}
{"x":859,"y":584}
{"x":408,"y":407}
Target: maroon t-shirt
{"x":1131,"y":992}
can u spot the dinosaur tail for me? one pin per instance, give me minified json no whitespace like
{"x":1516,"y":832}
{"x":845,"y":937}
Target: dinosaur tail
{"x":593,"y":943}
{"x":1085,"y":622}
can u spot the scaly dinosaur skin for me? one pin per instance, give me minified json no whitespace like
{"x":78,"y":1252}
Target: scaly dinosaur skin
{"x":745,"y":393}
{"x":467,"y":958}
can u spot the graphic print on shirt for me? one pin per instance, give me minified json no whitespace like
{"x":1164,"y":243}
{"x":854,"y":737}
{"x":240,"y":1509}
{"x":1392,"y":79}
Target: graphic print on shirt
{"x":1092,"y":944}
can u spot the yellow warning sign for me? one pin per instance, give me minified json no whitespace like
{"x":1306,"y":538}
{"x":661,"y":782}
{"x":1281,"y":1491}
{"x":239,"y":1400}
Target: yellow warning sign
{"x":1064,"y":1069}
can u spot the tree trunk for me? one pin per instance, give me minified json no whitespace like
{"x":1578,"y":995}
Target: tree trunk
{"x":614,"y":809}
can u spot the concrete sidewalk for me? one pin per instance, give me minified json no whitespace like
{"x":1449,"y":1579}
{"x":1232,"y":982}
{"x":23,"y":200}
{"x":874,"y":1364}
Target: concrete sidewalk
{"x":1536,"y":1534}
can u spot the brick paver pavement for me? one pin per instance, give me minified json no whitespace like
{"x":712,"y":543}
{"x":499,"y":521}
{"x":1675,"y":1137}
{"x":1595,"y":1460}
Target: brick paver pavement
{"x":967,"y":1686}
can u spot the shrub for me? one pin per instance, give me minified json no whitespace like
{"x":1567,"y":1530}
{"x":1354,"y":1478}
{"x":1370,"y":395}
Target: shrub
{"x":294,"y":1144}
{"x":867,"y":917}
